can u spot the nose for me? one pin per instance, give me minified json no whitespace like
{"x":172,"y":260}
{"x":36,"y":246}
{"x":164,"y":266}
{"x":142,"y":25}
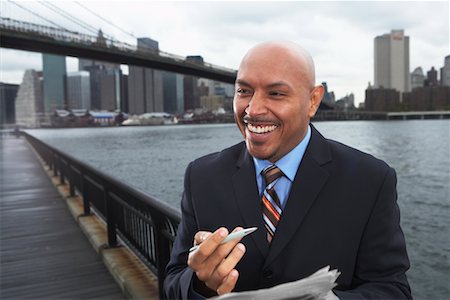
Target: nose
{"x":256,"y":105}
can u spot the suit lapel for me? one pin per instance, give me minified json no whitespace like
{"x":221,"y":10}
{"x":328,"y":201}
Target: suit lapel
{"x":308,"y":182}
{"x":247,"y":198}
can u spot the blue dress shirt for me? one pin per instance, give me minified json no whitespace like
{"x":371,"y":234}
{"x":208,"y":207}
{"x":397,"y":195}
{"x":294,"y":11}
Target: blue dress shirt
{"x":288,"y":164}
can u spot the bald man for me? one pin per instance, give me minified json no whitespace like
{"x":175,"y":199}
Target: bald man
{"x":314,"y":201}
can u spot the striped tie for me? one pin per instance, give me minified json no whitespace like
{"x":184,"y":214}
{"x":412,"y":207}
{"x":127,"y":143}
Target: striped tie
{"x":270,"y":203}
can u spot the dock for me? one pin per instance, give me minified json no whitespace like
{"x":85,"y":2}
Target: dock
{"x":48,"y":249}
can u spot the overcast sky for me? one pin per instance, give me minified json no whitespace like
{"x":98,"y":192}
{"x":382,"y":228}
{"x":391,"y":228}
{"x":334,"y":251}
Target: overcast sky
{"x":339,"y":35}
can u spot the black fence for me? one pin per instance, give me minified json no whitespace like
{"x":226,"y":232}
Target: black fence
{"x":146,"y":225}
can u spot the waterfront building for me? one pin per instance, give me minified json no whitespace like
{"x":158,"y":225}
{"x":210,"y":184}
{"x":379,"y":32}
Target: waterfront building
{"x":445,"y":72}
{"x":173,"y":91}
{"x":328,"y":97}
{"x":392,"y":61}
{"x":106,"y":84}
{"x":78,"y":90}
{"x":346,"y":103}
{"x":54,"y":71}
{"x":29,"y":101}
{"x":382,"y":99}
{"x":427,"y":98}
{"x":417,"y":78}
{"x":191,"y":86}
{"x":432,"y":78}
{"x":212,"y":103}
{"x":110,"y":89}
{"x":8,"y":93}
{"x":145,"y":85}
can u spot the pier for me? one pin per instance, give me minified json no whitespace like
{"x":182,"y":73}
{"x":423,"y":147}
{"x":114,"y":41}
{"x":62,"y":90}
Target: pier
{"x":56,"y":243}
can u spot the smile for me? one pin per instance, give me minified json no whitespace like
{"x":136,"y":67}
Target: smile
{"x":261,"y":129}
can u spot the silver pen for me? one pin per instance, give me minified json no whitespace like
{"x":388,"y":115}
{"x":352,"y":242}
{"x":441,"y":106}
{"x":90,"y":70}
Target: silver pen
{"x":232,"y":236}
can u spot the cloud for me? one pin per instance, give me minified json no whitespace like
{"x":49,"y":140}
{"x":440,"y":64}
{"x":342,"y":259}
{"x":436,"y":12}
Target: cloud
{"x":339,"y":34}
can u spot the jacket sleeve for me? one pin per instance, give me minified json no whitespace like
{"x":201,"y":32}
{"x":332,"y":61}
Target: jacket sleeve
{"x":382,"y":258}
{"x":179,"y":276}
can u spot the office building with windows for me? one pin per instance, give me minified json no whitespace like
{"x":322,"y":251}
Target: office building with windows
{"x":392,"y":61}
{"x":54,"y":72}
{"x":78,"y":90}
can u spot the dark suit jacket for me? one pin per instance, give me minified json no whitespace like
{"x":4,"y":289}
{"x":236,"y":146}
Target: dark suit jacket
{"x":341,"y":211}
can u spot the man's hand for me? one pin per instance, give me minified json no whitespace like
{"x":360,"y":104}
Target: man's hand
{"x":213,"y":263}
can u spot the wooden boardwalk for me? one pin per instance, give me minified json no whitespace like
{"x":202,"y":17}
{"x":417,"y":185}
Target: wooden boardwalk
{"x":43,"y":252}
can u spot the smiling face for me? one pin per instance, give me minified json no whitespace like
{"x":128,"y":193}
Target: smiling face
{"x":275,"y":98}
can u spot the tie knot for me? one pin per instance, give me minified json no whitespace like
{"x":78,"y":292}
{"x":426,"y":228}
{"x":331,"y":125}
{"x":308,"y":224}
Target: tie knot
{"x":271,"y":173}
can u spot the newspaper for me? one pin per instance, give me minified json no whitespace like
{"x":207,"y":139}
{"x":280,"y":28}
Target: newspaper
{"x":314,"y":287}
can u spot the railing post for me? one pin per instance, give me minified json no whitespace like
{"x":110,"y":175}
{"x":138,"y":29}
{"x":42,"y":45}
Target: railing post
{"x":55,"y":171}
{"x":86,"y":205}
{"x":110,"y":217}
{"x":61,"y":173}
{"x":71,"y":179}
{"x":162,"y":252}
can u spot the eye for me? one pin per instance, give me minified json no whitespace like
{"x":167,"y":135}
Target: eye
{"x":244,"y":92}
{"x":276,"y":94}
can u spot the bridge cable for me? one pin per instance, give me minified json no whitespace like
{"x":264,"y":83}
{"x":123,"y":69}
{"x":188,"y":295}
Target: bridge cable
{"x":107,"y":21}
{"x":68,"y":16}
{"x":37,"y":15}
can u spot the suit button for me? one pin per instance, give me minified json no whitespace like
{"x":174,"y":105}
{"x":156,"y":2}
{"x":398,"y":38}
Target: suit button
{"x":268,"y":274}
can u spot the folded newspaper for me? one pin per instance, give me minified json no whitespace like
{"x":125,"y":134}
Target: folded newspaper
{"x":314,"y":287}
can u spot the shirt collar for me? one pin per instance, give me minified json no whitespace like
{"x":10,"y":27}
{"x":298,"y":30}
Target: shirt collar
{"x":289,"y":163}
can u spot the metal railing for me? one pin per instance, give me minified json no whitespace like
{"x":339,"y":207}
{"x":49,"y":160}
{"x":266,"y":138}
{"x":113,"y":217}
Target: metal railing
{"x":146,"y":225}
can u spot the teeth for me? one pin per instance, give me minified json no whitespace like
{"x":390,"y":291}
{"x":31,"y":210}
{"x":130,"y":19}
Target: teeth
{"x":261,"y":129}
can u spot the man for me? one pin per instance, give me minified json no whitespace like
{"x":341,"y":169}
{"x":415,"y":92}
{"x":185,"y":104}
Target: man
{"x":315,"y":202}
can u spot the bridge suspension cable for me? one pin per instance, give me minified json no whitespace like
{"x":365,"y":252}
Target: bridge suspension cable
{"x":37,"y":15}
{"x":70,"y":17}
{"x":107,"y":21}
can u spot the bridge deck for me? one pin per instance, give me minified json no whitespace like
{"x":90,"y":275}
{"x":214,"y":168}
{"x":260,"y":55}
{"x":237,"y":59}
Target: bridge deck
{"x":43,"y":252}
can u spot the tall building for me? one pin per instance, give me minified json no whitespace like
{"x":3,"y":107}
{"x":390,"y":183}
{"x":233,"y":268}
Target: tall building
{"x":145,"y":85}
{"x":29,"y":101}
{"x":191,"y":85}
{"x":417,"y":78}
{"x":8,"y":93}
{"x":432,"y":78}
{"x":173,"y":90}
{"x":328,"y":97}
{"x":445,"y":72}
{"x":392,"y":61}
{"x":78,"y":90}
{"x":106,"y":84}
{"x":54,"y":71}
{"x":110,"y":89}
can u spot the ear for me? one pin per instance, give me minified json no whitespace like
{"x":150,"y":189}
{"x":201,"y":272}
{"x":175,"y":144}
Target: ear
{"x":316,"y":98}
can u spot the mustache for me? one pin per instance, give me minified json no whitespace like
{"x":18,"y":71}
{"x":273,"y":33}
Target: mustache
{"x":248,"y":119}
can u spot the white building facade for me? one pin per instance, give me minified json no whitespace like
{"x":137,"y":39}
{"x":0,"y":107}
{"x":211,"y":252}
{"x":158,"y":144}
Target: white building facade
{"x":392,"y":61}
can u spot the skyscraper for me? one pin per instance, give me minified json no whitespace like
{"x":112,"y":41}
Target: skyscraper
{"x":54,"y":71}
{"x":445,"y":72}
{"x":392,"y":61}
{"x":78,"y":90}
{"x":173,"y":92}
{"x":29,"y":103}
{"x":8,"y":93}
{"x":145,"y":85}
{"x":417,"y":78}
{"x":105,"y":84}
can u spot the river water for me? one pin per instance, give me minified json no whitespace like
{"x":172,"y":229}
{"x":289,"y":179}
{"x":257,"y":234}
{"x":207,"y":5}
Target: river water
{"x":153,"y":159}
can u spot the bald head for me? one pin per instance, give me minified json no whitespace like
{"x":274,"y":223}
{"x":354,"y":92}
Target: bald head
{"x":285,"y":52}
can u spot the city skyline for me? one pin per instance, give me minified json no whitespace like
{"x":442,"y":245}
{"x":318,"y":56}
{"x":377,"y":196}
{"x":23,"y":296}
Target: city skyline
{"x":339,"y":35}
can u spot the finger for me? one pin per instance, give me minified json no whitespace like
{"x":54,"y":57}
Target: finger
{"x":228,"y":283}
{"x":228,"y":264}
{"x":221,"y":252}
{"x":206,"y":248}
{"x":201,"y":236}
